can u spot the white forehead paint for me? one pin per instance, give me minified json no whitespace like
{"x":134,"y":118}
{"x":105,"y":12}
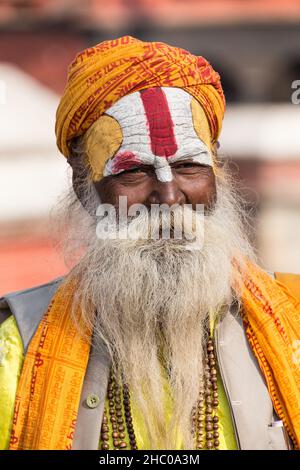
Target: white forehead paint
{"x":130,"y":113}
{"x":163,"y":170}
{"x":188,"y":143}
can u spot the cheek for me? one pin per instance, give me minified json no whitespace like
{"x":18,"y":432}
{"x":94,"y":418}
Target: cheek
{"x":106,"y":190}
{"x":200,"y":190}
{"x":109,"y":192}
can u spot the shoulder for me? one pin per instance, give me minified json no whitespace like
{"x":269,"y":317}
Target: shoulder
{"x":28,"y":307}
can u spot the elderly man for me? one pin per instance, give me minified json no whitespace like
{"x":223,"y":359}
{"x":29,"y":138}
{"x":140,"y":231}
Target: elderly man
{"x":151,"y":341}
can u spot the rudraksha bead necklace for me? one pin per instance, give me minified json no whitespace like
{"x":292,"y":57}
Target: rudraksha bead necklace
{"x":204,"y":419}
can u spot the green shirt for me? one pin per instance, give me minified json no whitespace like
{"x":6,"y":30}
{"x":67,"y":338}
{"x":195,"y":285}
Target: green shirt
{"x":11,"y":362}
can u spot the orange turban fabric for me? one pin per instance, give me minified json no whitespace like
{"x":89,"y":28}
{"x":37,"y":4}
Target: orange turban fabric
{"x":101,"y":75}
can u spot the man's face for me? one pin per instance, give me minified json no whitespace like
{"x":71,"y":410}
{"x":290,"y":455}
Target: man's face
{"x":192,"y":183}
{"x":161,"y":149}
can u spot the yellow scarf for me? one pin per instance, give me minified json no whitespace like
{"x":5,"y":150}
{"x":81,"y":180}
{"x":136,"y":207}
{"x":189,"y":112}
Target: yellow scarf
{"x":49,"y":389}
{"x":271,"y":317}
{"x":50,"y":385}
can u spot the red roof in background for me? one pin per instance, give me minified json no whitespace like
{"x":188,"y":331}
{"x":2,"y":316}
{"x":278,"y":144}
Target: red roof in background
{"x":115,"y":13}
{"x":194,"y":11}
{"x":46,"y":58}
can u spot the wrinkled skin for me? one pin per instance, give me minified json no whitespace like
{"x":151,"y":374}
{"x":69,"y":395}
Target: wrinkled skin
{"x":192,"y":183}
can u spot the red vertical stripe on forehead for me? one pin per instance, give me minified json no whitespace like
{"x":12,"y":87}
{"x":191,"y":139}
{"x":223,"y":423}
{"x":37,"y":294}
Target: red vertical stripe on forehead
{"x":161,"y":127}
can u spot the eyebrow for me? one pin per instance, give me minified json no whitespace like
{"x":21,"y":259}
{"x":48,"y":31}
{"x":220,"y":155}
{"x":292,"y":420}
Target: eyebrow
{"x":133,"y":167}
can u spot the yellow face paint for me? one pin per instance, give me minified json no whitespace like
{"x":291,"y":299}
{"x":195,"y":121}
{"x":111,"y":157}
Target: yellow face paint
{"x":201,"y":124}
{"x":101,"y":141}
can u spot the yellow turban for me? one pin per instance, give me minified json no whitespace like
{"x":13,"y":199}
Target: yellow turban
{"x":101,"y":75}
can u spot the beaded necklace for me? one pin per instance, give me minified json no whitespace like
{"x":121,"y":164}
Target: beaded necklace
{"x":204,"y":419}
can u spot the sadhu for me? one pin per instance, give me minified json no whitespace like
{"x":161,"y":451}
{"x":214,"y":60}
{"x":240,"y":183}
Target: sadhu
{"x":150,"y":342}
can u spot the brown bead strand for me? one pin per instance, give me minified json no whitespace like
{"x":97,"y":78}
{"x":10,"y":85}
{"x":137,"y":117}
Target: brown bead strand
{"x":200,"y":432}
{"x":116,"y":417}
{"x":104,"y":432}
{"x":120,"y":421}
{"x":205,"y":421}
{"x":212,"y":402}
{"x":128,"y":418}
{"x":204,"y":418}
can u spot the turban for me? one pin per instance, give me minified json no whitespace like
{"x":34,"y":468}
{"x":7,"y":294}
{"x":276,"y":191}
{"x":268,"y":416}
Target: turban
{"x":99,"y":76}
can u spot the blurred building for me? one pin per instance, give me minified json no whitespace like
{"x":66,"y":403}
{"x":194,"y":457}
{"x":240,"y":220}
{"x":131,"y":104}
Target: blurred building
{"x":253,"y":44}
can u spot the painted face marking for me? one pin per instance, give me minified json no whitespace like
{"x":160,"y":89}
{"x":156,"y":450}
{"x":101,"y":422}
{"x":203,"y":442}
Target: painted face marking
{"x":158,"y":127}
{"x":160,"y":124}
{"x":124,"y":161}
{"x":163,"y":170}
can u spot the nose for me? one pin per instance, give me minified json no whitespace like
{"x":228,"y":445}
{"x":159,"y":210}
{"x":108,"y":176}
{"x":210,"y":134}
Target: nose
{"x":166,"y":193}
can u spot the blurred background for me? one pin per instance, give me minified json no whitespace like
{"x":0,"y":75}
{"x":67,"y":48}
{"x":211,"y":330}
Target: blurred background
{"x":255,"y":45}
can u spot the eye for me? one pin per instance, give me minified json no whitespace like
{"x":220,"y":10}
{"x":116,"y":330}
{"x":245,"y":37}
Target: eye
{"x":131,"y":171}
{"x":191,"y":169}
{"x":186,"y":165}
{"x":133,"y":174}
{"x":136,"y":170}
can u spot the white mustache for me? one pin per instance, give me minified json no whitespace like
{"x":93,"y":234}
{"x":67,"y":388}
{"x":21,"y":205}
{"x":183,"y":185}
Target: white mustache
{"x":180,"y":223}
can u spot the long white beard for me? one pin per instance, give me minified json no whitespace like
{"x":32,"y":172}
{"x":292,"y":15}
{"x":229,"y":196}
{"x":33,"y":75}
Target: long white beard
{"x":152,"y":298}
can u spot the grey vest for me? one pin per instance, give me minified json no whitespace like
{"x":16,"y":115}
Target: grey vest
{"x":255,"y":423}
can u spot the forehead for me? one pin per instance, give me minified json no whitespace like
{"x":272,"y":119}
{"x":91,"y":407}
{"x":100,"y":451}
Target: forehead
{"x":154,"y":126}
{"x":159,"y":116}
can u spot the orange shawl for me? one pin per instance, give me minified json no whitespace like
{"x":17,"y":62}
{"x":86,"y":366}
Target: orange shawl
{"x":50,"y":385}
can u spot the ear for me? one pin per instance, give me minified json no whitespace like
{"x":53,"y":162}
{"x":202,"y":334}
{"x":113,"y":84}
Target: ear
{"x":78,"y":175}
{"x":80,"y":182}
